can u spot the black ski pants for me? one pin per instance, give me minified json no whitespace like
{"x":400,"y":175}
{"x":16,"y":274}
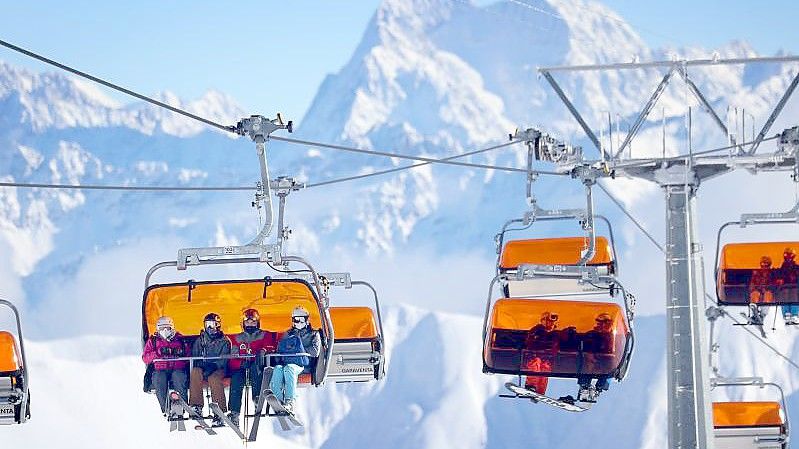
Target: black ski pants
{"x":237,"y":380}
{"x":165,"y":379}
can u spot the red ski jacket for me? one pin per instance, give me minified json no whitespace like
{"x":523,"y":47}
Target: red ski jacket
{"x":251,"y":344}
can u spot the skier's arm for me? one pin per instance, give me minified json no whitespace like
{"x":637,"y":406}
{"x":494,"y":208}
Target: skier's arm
{"x":149,"y":353}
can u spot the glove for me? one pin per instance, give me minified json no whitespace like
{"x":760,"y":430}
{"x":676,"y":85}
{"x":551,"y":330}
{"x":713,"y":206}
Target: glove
{"x":178,"y":352}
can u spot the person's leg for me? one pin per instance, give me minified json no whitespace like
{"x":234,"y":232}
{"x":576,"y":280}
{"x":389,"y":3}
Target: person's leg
{"x":602,"y":383}
{"x":180,"y":382}
{"x":236,"y":389}
{"x":196,"y":387}
{"x":161,"y":384}
{"x":276,"y":384}
{"x":256,"y":378}
{"x":216,"y":383}
{"x":291,"y":373}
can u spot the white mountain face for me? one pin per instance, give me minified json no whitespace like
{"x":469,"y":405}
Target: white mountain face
{"x":433,"y":78}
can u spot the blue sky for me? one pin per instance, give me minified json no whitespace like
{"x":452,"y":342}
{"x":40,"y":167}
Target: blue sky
{"x":271,"y":56}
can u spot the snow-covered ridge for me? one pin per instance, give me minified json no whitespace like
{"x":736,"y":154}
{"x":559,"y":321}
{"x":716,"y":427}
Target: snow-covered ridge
{"x":39,"y":101}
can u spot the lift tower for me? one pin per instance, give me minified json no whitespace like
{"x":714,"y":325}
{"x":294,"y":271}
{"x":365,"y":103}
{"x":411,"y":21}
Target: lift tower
{"x":689,"y":407}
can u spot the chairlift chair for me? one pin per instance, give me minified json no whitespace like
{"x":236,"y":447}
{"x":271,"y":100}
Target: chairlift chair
{"x":750,"y":424}
{"x":592,"y":338}
{"x":14,"y":374}
{"x":750,"y":273}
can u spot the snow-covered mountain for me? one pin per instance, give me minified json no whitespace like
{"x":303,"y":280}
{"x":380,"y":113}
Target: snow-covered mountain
{"x":430,"y":77}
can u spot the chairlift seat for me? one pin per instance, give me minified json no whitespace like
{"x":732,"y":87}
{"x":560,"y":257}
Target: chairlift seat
{"x":553,"y":251}
{"x":741,"y":281}
{"x":187,"y":303}
{"x":745,"y":425}
{"x":357,"y":350}
{"x":517,"y":343}
{"x":11,"y":392}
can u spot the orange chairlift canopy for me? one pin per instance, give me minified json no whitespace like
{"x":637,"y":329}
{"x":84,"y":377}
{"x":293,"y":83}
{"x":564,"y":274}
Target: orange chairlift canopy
{"x":554,"y":251}
{"x":187,"y":304}
{"x":353,"y":323}
{"x":747,"y":414}
{"x":10,"y":359}
{"x":761,"y":273}
{"x":555,"y":338}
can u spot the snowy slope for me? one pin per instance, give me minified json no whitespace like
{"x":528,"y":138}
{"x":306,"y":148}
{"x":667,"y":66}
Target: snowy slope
{"x":430,"y":77}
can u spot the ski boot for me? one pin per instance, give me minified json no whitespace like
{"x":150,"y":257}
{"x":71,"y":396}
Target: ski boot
{"x":587,"y":394}
{"x":233,"y":417}
{"x":217,"y":422}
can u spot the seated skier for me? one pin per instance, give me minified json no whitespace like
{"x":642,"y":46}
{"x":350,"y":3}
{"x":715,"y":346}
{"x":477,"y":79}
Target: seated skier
{"x":301,"y":338}
{"x":167,"y":344}
{"x":543,"y":342}
{"x":597,"y":341}
{"x":251,"y":341}
{"x":210,"y":344}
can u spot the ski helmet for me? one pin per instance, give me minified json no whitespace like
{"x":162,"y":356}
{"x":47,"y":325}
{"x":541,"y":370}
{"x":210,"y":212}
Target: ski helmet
{"x":212,"y":323}
{"x":299,"y":317}
{"x":165,"y":327}
{"x":251,"y":315}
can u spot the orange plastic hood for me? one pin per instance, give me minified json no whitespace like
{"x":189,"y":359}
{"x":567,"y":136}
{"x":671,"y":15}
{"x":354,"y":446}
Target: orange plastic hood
{"x":523,"y":314}
{"x":187,"y":305}
{"x":553,"y":251}
{"x":10,"y":359}
{"x":353,"y":323}
{"x":746,"y":414}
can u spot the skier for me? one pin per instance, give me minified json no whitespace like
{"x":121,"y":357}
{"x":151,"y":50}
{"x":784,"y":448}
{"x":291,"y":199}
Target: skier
{"x":300,"y":338}
{"x":786,"y":286}
{"x":596,"y":343}
{"x":251,"y":341}
{"x":166,"y":343}
{"x":761,"y":283}
{"x":543,"y":337}
{"x":211,"y":344}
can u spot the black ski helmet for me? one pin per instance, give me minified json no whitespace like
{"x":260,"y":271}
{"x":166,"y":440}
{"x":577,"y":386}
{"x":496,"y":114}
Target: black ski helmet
{"x":212,"y":317}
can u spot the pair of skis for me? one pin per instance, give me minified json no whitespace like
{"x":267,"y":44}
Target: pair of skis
{"x":285,"y":418}
{"x":178,"y":407}
{"x":520,"y":392}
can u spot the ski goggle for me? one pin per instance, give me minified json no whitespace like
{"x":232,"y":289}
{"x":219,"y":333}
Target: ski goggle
{"x":212,"y":325}
{"x":250,"y":321}
{"x":299,"y":319}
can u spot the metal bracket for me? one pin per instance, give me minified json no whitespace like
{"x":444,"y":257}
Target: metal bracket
{"x":196,"y":256}
{"x":580,"y":272}
{"x":283,"y":186}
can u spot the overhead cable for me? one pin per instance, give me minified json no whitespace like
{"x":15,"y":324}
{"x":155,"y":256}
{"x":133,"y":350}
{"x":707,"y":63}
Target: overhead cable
{"x":632,"y":218}
{"x":117,"y":87}
{"x":447,"y":161}
{"x":231,"y":129}
{"x":407,"y":167}
{"x":121,"y":187}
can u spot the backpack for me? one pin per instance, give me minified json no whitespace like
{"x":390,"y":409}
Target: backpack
{"x":292,"y":344}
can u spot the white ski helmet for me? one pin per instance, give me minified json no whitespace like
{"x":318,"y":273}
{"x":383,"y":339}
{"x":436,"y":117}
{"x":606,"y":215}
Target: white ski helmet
{"x":165,"y":327}
{"x":299,"y":317}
